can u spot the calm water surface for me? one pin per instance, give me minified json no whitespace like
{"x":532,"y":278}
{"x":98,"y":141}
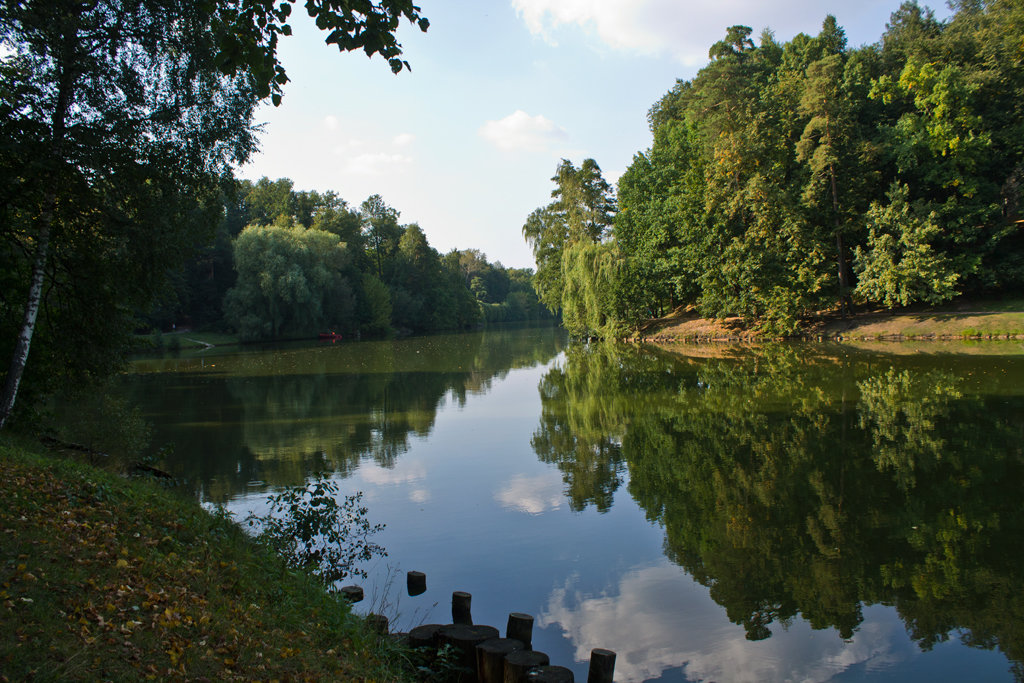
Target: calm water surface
{"x":775,"y":513}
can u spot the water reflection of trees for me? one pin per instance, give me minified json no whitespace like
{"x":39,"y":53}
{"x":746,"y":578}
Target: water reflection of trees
{"x":276,"y":417}
{"x":798,"y":482}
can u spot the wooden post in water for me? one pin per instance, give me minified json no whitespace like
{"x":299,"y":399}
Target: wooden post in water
{"x":424,"y":635}
{"x":602,"y":666}
{"x":378,"y":623}
{"x":352,"y":593}
{"x":518,"y":663}
{"x":490,"y":658}
{"x":460,"y":608}
{"x":416,"y":582}
{"x":550,"y":674}
{"x":520,"y":627}
{"x":464,"y":638}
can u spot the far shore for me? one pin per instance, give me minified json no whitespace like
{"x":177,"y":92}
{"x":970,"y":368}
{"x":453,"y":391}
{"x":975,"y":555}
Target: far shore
{"x":960,"y":320}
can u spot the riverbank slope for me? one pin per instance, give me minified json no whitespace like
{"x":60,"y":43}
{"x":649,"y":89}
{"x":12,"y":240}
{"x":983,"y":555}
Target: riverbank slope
{"x":103,"y":578}
{"x":963,"y":319}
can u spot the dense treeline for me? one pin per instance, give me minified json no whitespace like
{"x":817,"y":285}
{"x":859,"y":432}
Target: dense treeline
{"x":787,"y":178}
{"x":288,"y":263}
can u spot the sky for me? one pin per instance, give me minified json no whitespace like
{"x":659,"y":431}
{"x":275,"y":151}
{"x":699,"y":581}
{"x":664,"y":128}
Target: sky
{"x":465,"y":144}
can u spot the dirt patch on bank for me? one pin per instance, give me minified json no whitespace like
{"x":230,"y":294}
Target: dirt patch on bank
{"x":950,"y":324}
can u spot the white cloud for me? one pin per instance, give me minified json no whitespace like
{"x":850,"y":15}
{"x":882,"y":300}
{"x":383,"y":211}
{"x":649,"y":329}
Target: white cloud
{"x":655,"y":605}
{"x":532,"y":495}
{"x":403,"y":139}
{"x":519,"y":130}
{"x":377,"y":163}
{"x":348,"y":146}
{"x":679,"y":29}
{"x":331,"y":122}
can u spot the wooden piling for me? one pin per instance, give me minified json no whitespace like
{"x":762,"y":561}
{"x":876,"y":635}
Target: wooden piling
{"x":550,"y":674}
{"x":416,"y":583}
{"x":378,"y":623}
{"x":520,"y":627}
{"x":490,"y":658}
{"x":461,"y":608}
{"x":352,"y":593}
{"x":602,"y":666}
{"x":464,"y":638}
{"x":424,"y":635}
{"x":518,"y":663}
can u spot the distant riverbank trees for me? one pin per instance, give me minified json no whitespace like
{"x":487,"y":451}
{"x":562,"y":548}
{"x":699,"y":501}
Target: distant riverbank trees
{"x":287,"y":263}
{"x":788,"y":178}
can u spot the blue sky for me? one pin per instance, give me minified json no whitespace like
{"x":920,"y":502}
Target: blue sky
{"x":500,"y":90}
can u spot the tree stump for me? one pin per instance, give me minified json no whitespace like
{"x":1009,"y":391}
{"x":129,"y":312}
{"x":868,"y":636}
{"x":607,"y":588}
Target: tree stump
{"x":490,"y":658}
{"x":518,"y":663}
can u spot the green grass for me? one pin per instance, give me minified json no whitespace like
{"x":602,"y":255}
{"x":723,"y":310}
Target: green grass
{"x":183,"y":341}
{"x":103,"y":578}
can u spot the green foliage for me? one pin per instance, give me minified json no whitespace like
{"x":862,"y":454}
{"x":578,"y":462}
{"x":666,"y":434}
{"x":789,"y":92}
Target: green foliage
{"x":312,"y":531}
{"x":589,"y":272}
{"x":121,"y":122}
{"x":248,"y":32}
{"x":779,"y":165}
{"x":581,"y":214}
{"x":376,"y":318}
{"x":118,"y":131}
{"x":899,"y":265}
{"x":291,"y":281}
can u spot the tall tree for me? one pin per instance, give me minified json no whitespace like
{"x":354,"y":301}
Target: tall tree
{"x":583,"y":210}
{"x":381,"y":232}
{"x":825,"y":139}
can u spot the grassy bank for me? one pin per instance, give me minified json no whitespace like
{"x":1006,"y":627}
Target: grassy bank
{"x":184,"y":341}
{"x":103,"y":578}
{"x":963,"y":319}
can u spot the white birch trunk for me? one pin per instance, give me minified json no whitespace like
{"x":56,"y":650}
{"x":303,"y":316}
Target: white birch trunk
{"x":58,"y":128}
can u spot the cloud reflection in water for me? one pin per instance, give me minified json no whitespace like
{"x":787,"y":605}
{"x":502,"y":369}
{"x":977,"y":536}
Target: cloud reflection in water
{"x":654,"y":605}
{"x":532,"y":495}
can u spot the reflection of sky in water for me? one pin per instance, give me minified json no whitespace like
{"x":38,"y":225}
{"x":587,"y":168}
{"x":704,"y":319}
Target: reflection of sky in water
{"x":655,"y":606}
{"x":471,"y":505}
{"x":532,"y":495}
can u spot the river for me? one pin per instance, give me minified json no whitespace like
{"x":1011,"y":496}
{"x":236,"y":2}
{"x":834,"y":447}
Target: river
{"x":791,"y":512}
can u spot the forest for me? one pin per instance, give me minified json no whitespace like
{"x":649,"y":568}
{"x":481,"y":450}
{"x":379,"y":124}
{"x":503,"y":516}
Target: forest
{"x":286,"y":263}
{"x":787,"y":179}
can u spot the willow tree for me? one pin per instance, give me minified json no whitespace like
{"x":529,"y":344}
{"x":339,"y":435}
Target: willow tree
{"x":583,"y":211}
